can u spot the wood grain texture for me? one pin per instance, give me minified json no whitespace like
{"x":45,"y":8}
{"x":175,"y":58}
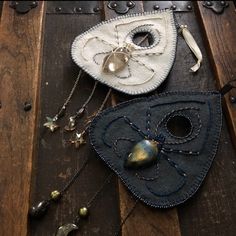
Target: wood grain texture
{"x":56,"y":163}
{"x":212,"y":210}
{"x":21,"y":38}
{"x":144,"y":220}
{"x":220,"y":35}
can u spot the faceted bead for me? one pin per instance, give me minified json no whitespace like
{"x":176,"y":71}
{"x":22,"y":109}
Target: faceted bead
{"x":55,"y":195}
{"x":80,"y":112}
{"x":143,"y":154}
{"x":116,"y":61}
{"x":83,"y":212}
{"x":39,"y":210}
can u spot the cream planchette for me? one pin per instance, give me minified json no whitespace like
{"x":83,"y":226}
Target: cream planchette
{"x":109,"y":53}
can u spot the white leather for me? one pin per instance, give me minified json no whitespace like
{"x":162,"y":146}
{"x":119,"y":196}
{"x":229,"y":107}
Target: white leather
{"x":144,"y":72}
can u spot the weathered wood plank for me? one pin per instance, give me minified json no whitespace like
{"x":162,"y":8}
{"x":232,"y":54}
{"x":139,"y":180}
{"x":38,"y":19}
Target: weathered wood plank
{"x":212,"y":210}
{"x":220,"y":35}
{"x":56,"y":163}
{"x":144,"y":220}
{"x":20,"y":50}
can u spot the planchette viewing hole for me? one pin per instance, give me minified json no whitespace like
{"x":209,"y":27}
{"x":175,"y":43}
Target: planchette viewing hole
{"x":143,"y":39}
{"x":179,"y":126}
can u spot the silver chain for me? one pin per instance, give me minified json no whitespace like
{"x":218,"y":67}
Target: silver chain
{"x":63,"y":108}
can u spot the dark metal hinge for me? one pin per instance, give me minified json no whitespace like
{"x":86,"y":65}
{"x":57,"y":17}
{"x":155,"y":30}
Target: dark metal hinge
{"x":177,"y":6}
{"x":73,"y":7}
{"x":216,"y":6}
{"x":23,"y":7}
{"x":121,"y":7}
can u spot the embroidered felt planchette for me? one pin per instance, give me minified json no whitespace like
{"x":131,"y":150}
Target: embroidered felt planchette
{"x":110,"y":54}
{"x":161,"y":147}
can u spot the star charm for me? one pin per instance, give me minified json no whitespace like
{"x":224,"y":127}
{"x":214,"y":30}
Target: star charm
{"x":79,"y":140}
{"x":51,"y":124}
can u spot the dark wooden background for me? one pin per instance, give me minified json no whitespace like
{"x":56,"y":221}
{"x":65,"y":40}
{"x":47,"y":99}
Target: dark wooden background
{"x":212,"y":211}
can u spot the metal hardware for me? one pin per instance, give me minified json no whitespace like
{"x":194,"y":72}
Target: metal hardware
{"x":23,"y":7}
{"x":121,"y":7}
{"x":27,"y":106}
{"x":232,"y":99}
{"x":73,"y":7}
{"x":216,"y":6}
{"x":177,"y":6}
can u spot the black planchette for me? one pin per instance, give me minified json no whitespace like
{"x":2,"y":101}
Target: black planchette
{"x":186,"y":126}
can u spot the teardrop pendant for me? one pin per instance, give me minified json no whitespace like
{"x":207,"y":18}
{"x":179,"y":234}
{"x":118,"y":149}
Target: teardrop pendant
{"x":143,"y":154}
{"x":117,"y":60}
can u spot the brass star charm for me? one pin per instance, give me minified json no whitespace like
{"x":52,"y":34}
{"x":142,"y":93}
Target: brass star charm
{"x":51,"y":124}
{"x":79,"y":140}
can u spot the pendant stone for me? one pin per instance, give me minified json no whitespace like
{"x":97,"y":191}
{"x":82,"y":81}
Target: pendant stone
{"x":116,"y":61}
{"x":143,"y":154}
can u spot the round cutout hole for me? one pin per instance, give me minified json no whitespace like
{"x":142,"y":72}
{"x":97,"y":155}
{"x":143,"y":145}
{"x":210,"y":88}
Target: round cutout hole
{"x":179,"y":126}
{"x":143,"y":39}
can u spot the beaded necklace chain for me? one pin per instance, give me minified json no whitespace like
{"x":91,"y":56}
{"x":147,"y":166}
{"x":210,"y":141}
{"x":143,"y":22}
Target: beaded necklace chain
{"x":41,"y":208}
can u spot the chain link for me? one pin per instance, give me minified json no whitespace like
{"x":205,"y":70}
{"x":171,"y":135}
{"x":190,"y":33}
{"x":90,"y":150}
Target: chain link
{"x":63,"y":108}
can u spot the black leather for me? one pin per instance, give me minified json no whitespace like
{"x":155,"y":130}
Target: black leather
{"x":183,"y":161}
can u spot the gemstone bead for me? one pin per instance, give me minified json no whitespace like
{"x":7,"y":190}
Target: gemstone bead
{"x":143,"y":154}
{"x":39,"y":210}
{"x":116,"y":61}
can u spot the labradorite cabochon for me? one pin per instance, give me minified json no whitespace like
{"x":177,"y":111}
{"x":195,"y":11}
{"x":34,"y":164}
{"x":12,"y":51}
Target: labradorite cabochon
{"x":143,"y":154}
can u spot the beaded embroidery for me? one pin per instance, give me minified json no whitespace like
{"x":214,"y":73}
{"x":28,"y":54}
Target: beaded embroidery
{"x":130,"y":131}
{"x":110,"y":55}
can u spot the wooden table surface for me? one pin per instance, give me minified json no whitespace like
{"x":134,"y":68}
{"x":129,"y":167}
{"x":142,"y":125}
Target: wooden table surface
{"x":36,"y":68}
